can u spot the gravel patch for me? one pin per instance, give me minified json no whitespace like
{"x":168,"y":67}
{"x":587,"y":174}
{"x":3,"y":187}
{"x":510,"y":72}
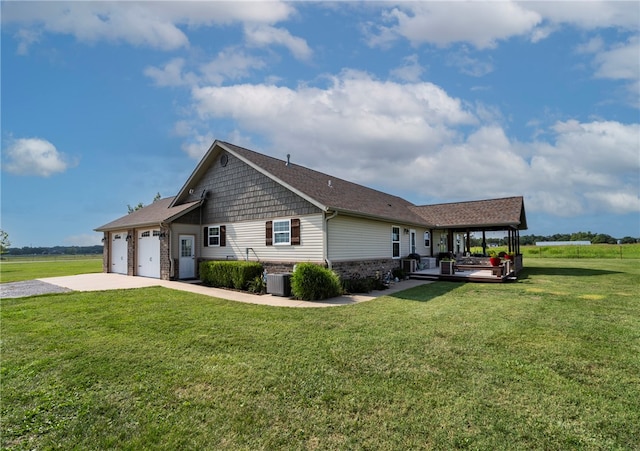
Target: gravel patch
{"x":29,"y":288}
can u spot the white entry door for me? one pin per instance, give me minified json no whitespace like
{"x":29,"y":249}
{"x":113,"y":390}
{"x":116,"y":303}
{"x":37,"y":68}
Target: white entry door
{"x":149,"y":253}
{"x":119,"y":252}
{"x":187,"y":264}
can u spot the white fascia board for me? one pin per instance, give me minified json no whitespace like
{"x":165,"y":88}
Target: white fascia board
{"x":195,"y":173}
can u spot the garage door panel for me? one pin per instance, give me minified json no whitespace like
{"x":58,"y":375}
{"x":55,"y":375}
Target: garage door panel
{"x":119,"y":252}
{"x":149,"y":253}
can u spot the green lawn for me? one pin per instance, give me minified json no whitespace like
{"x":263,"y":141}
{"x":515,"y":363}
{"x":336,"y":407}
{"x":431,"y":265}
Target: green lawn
{"x":549,"y":362}
{"x":17,"y":270}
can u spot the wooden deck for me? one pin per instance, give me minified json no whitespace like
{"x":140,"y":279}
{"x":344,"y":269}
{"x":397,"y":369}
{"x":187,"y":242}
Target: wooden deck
{"x":464,"y":274}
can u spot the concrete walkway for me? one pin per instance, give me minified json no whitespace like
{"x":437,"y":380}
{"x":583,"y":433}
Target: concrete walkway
{"x":109,"y":281}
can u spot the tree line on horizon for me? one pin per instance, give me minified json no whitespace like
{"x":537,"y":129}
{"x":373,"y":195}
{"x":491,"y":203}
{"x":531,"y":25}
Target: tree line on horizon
{"x":55,"y":250}
{"x":525,"y":240}
{"x":531,"y":240}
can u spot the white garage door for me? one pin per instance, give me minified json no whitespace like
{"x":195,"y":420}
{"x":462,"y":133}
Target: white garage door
{"x":119,"y":252}
{"x":149,"y":253}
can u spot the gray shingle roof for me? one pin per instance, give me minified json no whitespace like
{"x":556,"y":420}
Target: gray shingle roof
{"x":505,"y":212}
{"x":153,"y":214}
{"x":332,"y":193}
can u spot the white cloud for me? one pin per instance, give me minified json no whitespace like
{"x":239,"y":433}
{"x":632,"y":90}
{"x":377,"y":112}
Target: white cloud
{"x":469,"y":65}
{"x":149,"y":24}
{"x":356,"y":112}
{"x":26,"y":38}
{"x":170,"y":75}
{"x":265,"y":35}
{"x":592,"y":163}
{"x":197,"y":145}
{"x":593,"y":45}
{"x":589,"y":15}
{"x":230,"y":64}
{"x":410,"y":71}
{"x":415,"y":140}
{"x":34,"y":156}
{"x":620,"y":62}
{"x":481,"y":24}
{"x":621,"y":201}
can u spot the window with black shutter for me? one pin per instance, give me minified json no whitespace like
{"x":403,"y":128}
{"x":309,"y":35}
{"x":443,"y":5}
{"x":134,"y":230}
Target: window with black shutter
{"x":283,"y":232}
{"x":269,"y":233}
{"x":295,"y":232}
{"x":215,"y":236}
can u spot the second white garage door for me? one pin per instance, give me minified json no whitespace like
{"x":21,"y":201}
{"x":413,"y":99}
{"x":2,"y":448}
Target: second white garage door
{"x":149,"y":253}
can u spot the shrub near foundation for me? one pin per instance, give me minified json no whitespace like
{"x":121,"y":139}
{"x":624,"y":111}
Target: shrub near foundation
{"x":229,"y":274}
{"x":311,"y":282}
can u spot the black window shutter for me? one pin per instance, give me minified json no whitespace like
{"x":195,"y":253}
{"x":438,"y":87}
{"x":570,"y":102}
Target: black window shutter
{"x":205,"y":234}
{"x":269,"y":233}
{"x":223,"y":235}
{"x":295,"y":231}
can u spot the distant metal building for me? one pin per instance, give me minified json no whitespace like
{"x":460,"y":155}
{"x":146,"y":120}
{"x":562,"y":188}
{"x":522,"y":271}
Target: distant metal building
{"x":563,"y":243}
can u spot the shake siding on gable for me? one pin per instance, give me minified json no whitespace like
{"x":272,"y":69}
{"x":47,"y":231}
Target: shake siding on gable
{"x":236,"y":192}
{"x":251,"y":234}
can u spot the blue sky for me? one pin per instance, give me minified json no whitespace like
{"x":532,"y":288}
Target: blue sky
{"x":104,"y":104}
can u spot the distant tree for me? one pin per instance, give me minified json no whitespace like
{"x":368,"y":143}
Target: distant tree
{"x":603,"y":238}
{"x":140,"y":205}
{"x":628,"y":240}
{"x":4,"y":242}
{"x":137,"y":207}
{"x":582,"y":236}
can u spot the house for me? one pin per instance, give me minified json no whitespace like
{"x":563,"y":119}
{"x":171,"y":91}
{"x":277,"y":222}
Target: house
{"x":242,"y":205}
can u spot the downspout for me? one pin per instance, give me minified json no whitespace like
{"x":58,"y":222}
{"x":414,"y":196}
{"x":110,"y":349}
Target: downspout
{"x":325,"y":233}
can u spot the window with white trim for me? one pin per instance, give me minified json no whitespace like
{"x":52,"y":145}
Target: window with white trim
{"x":282,"y":232}
{"x":395,"y":242}
{"x":213,"y":236}
{"x":427,"y":239}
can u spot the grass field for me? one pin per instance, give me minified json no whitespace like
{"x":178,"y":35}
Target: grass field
{"x":549,"y":362}
{"x":20,"y":269}
{"x":624,"y":251}
{"x":592,"y":251}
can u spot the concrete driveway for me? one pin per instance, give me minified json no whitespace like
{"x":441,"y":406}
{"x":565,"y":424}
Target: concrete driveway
{"x":109,"y":281}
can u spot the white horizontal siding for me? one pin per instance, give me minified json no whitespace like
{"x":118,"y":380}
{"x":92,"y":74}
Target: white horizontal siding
{"x":362,"y":239}
{"x":251,"y":235}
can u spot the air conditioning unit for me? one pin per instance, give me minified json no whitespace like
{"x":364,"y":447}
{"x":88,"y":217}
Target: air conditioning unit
{"x":279,"y":284}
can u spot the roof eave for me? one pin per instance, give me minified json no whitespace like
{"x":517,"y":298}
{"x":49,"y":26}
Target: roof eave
{"x":137,"y":225}
{"x":477,"y":227}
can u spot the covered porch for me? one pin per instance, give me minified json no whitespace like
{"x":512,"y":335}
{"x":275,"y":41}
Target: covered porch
{"x":457,"y":222}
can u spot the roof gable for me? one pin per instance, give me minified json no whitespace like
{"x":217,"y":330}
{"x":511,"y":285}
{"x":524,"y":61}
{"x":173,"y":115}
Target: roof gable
{"x":153,"y":214}
{"x":326,"y":192}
